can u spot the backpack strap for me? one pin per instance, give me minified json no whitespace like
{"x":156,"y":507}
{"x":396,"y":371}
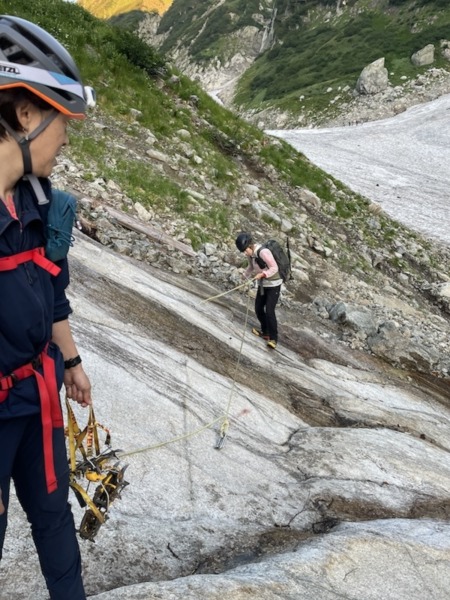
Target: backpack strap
{"x":37,"y":255}
{"x":288,"y":252}
{"x":263,"y":265}
{"x":260,"y":262}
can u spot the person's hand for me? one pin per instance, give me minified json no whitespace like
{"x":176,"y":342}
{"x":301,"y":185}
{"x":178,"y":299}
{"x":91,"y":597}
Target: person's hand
{"x":2,"y":508}
{"x":78,"y":386}
{"x":260,"y":276}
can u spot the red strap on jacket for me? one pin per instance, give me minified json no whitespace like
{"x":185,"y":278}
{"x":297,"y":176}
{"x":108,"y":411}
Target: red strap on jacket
{"x":37,"y":255}
{"x":51,"y":414}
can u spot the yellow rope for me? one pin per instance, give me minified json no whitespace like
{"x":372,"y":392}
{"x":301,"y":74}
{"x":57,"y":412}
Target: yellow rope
{"x":228,"y":291}
{"x":224,"y":418}
{"x":225,"y":424}
{"x":173,"y":440}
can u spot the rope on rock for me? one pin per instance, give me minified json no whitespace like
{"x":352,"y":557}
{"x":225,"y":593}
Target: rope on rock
{"x":104,"y":467}
{"x":225,"y":423}
{"x":238,"y":287}
{"x":224,"y":418}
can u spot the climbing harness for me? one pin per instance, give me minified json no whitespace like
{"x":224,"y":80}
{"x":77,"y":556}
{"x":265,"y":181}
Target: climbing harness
{"x":100,"y":467}
{"x":51,"y":415}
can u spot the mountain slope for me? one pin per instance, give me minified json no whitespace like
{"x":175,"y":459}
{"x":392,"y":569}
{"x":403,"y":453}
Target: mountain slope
{"x":303,"y":58}
{"x":335,"y":468}
{"x":105,"y":9}
{"x":162,"y":150}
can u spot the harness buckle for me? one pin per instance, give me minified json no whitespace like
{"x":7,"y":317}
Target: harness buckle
{"x":8,"y":381}
{"x":36,"y":362}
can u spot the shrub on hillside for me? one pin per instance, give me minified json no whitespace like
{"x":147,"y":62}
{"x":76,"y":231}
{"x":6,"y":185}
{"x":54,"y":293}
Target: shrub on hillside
{"x":136,"y":51}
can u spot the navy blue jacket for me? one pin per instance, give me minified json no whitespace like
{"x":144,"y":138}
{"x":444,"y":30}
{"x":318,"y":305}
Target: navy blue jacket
{"x":31,"y":299}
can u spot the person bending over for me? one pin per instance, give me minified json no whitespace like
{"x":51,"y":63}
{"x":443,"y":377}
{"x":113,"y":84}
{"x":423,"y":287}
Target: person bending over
{"x":262,"y":267}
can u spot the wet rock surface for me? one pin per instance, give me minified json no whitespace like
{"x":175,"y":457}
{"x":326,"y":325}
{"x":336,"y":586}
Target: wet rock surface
{"x":333,"y":480}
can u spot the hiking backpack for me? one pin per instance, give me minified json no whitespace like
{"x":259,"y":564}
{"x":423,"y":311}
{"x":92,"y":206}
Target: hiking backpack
{"x":282,"y":258}
{"x":60,"y":218}
{"x":60,"y":221}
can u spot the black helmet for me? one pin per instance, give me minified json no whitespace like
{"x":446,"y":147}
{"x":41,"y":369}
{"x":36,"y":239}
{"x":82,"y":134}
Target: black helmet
{"x":243,"y":241}
{"x":33,"y":59}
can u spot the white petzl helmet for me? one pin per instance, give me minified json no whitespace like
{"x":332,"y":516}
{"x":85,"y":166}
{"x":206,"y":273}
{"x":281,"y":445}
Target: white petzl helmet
{"x":33,"y":59}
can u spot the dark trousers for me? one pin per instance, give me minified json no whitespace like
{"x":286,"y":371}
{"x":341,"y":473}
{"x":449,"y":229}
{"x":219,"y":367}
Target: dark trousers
{"x":50,"y":515}
{"x":265,"y":302}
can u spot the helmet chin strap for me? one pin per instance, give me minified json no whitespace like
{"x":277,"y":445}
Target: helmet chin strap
{"x":24,"y":141}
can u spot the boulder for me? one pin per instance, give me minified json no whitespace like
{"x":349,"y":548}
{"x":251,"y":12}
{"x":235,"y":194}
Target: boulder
{"x":374,"y":78}
{"x":423,"y":57}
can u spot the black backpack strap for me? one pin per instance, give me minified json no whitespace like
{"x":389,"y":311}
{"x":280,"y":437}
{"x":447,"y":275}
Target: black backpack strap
{"x":260,"y":262}
{"x":288,"y":252}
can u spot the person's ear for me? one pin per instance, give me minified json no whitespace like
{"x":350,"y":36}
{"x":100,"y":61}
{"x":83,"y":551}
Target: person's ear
{"x":25,"y":112}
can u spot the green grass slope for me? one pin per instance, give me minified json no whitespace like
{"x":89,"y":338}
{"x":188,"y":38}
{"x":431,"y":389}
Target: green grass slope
{"x":128,"y":74}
